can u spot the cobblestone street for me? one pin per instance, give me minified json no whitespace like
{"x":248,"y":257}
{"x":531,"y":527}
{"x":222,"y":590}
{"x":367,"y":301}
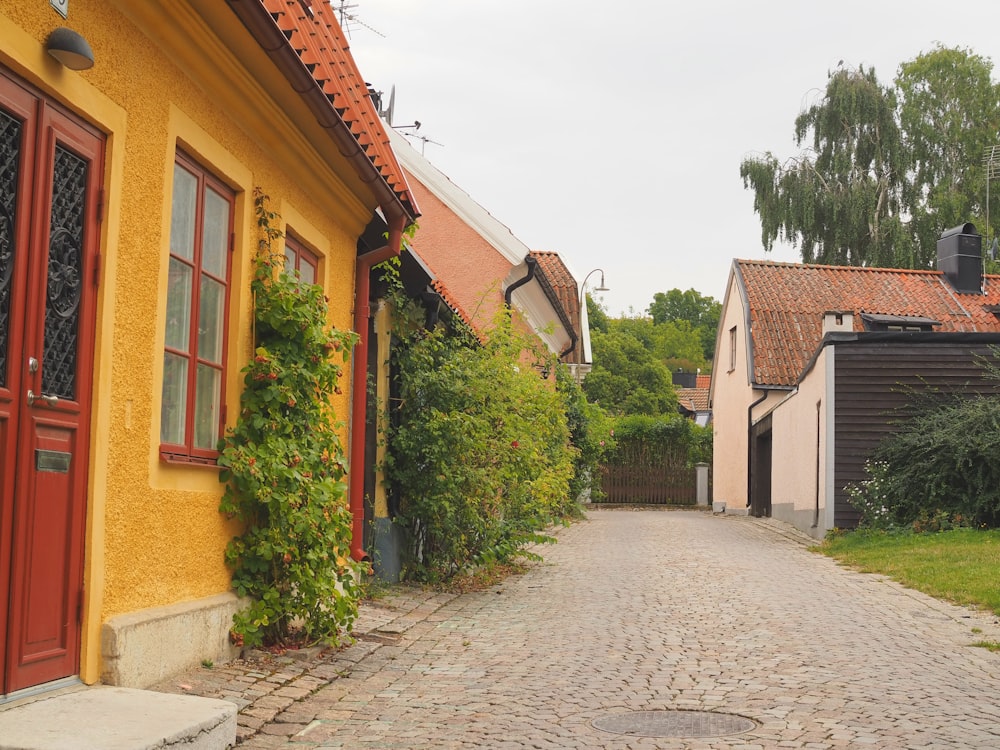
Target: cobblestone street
{"x":640,"y":611}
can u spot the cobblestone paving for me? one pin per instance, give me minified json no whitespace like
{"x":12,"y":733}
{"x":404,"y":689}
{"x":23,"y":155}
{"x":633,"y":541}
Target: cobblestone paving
{"x":639,"y":611}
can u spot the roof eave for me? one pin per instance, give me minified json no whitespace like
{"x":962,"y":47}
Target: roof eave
{"x":264,"y":29}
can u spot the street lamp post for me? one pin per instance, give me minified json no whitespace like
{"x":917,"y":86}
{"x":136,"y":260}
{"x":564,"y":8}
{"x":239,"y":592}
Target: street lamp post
{"x":583,"y":286}
{"x":581,"y":366}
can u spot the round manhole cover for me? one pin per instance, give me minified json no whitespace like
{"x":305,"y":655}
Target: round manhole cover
{"x":674,"y":724}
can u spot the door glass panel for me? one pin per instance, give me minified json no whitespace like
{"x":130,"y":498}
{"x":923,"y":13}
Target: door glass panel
{"x":182,"y":213}
{"x":206,"y":408}
{"x":65,"y":274}
{"x":213,"y":242}
{"x":174,"y":407}
{"x":10,"y":158}
{"x":210,"y":318}
{"x":179,"y":306}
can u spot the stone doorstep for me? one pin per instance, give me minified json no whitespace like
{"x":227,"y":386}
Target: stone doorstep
{"x":114,"y":718}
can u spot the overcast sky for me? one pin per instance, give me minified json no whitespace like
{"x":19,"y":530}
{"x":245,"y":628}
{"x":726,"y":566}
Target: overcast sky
{"x":612,"y":132}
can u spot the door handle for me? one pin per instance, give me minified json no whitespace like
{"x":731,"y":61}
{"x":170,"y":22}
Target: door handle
{"x":48,"y":400}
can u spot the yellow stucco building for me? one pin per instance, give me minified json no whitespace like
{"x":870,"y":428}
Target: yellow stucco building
{"x":127,"y":234}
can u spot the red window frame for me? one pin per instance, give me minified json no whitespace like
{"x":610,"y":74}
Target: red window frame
{"x":187,"y":451}
{"x":298,"y":256}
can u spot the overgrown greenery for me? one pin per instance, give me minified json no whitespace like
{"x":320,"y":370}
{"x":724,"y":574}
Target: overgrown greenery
{"x":883,"y":170}
{"x":590,"y":431}
{"x":939,"y":469}
{"x":958,"y":565}
{"x":676,"y":440}
{"x":284,"y":466}
{"x":480,"y":448}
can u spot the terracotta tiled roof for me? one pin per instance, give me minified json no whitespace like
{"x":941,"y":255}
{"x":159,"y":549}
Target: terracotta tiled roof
{"x":312,"y":31}
{"x":704,"y":381}
{"x":449,"y":299}
{"x":787,"y":302}
{"x":559,"y":283}
{"x":693,"y":399}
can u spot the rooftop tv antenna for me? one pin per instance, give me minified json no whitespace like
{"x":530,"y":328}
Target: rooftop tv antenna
{"x":342,"y":8}
{"x":424,"y":140}
{"x":991,"y":161}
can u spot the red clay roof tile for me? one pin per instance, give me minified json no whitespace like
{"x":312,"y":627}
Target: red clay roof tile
{"x":787,"y":302}
{"x":313,"y":32}
{"x":562,"y":286}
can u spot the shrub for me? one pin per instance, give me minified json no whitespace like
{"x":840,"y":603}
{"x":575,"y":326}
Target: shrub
{"x":938,"y":470}
{"x":480,"y":449}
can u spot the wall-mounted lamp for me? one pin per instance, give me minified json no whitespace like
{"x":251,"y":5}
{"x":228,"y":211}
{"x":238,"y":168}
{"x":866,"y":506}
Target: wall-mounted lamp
{"x":70,"y":49}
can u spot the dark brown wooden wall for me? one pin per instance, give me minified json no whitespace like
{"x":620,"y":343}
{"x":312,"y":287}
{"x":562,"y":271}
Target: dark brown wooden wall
{"x":871,"y":375}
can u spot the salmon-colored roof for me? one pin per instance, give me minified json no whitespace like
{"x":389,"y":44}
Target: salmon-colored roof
{"x":311,"y":30}
{"x":703,"y":381}
{"x":559,"y":283}
{"x":693,"y":399}
{"x":787,"y":302}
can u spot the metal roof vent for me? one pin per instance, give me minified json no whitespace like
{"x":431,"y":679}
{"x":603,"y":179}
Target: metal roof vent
{"x":960,"y":257}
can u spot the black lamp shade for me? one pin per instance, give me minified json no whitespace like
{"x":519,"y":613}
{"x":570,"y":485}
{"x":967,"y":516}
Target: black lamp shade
{"x":69,"y":48}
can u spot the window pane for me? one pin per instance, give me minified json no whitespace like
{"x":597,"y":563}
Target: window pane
{"x":182,"y":213}
{"x":179,"y":306}
{"x":307,"y":272}
{"x":206,"y":408}
{"x":214,"y":234}
{"x":210,"y":320}
{"x":174,"y":407}
{"x":289,"y":261}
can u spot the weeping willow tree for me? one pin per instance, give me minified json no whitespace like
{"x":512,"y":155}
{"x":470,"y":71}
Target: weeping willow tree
{"x":839,"y":201}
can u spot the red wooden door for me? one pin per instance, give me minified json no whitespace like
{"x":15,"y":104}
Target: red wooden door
{"x":50,"y":177}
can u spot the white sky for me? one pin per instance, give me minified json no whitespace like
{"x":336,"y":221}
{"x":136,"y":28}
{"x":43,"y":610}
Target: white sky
{"x":612,"y":132}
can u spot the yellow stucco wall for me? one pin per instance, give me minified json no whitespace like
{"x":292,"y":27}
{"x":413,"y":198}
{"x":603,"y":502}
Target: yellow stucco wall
{"x":166,"y":77}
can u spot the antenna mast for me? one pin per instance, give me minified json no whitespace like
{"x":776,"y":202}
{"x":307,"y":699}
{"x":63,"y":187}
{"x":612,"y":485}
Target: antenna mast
{"x":991,"y":160}
{"x":347,"y":18}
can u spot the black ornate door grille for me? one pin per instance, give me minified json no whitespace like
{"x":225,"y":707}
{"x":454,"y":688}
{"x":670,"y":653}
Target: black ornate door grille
{"x":65,"y":271}
{"x":10,"y":157}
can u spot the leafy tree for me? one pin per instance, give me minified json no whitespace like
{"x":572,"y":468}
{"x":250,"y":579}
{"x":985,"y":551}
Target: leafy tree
{"x":680,"y":346}
{"x":949,"y":110}
{"x":700,"y":311}
{"x":626,"y":377}
{"x":597,"y":319}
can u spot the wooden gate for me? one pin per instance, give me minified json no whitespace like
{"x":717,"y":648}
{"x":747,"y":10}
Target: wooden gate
{"x":642,"y":476}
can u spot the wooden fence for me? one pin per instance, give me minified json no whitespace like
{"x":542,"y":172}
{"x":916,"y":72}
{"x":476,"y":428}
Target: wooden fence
{"x":642,"y":476}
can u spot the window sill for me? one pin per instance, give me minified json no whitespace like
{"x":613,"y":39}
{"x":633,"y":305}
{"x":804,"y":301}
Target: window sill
{"x":197,"y":462}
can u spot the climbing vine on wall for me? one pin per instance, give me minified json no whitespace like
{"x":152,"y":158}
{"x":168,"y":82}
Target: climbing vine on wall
{"x":284,"y":465}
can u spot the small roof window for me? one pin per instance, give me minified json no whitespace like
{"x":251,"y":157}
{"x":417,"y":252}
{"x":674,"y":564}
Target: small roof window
{"x":875,"y":322}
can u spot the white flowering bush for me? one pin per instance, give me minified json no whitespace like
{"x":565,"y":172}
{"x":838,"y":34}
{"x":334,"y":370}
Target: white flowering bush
{"x":871,"y":496}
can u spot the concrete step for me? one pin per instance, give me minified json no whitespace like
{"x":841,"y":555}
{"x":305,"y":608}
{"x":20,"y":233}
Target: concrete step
{"x":113,"y":718}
